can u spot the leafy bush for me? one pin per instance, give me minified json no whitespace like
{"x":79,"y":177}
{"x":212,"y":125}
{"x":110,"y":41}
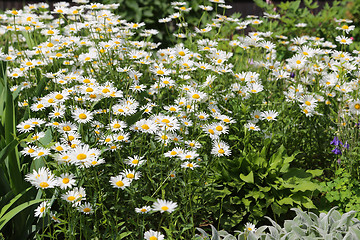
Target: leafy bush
{"x":256,"y":184}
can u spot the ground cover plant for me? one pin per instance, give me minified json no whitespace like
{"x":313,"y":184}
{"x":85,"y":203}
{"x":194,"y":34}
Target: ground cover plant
{"x":105,"y":134}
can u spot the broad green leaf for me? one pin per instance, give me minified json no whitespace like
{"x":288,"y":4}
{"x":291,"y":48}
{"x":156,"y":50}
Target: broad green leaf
{"x":134,"y":118}
{"x":248,"y":178}
{"x":316,"y":173}
{"x":5,"y":151}
{"x":286,"y":200}
{"x":306,"y":186}
{"x":13,"y":212}
{"x":8,"y":206}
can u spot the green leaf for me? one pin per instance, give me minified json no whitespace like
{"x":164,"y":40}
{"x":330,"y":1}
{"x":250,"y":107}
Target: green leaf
{"x":316,"y":173}
{"x":286,"y":200}
{"x":10,"y":147}
{"x":248,"y":178}
{"x":149,"y":199}
{"x":134,"y":118}
{"x":123,"y":235}
{"x":12,"y":213}
{"x":306,"y":186}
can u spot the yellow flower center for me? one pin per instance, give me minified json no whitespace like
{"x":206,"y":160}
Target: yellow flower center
{"x":43,"y":184}
{"x":87,"y":209}
{"x":82,"y":116}
{"x":65,"y":180}
{"x":160,"y":72}
{"x":145,"y":127}
{"x":135,"y":161}
{"x":130,"y":175}
{"x":298,"y":62}
{"x":165,"y":120}
{"x":81,"y":156}
{"x":221,"y":151}
{"x":67,"y":128}
{"x":196,"y":96}
{"x":219,"y":128}
{"x":357,"y":106}
{"x":119,"y":184}
{"x":42,"y":209}
{"x":164,"y":208}
{"x":181,"y":53}
{"x":27,"y":126}
{"x":153,"y":238}
{"x":71,"y":198}
{"x":308,"y":103}
{"x":211,"y":131}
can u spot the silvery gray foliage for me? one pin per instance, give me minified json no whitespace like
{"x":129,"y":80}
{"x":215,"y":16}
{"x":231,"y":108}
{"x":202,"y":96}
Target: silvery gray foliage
{"x":305,"y":226}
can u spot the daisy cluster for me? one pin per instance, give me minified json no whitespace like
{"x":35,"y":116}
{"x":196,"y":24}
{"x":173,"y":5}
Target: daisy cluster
{"x":109,"y":95}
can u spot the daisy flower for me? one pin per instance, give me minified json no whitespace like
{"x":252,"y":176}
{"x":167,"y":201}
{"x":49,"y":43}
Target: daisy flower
{"x":41,"y":210}
{"x":164,"y":206}
{"x":120,"y":182}
{"x":130,"y":174}
{"x":188,"y":155}
{"x":343,"y":40}
{"x":252,"y":127}
{"x":190,"y":165}
{"x":40,"y":152}
{"x":174,"y":152}
{"x":269,"y":115}
{"x":153,"y":235}
{"x":220,"y":148}
{"x":249,"y":227}
{"x":135,"y":161}
{"x":66,"y":180}
{"x":82,"y":115}
{"x":193,"y":144}
{"x":85,"y":208}
{"x":24,"y":127}
{"x":354,"y":107}
{"x":42,"y":178}
{"x":144,"y":209}
{"x":346,"y":28}
{"x":74,"y":196}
